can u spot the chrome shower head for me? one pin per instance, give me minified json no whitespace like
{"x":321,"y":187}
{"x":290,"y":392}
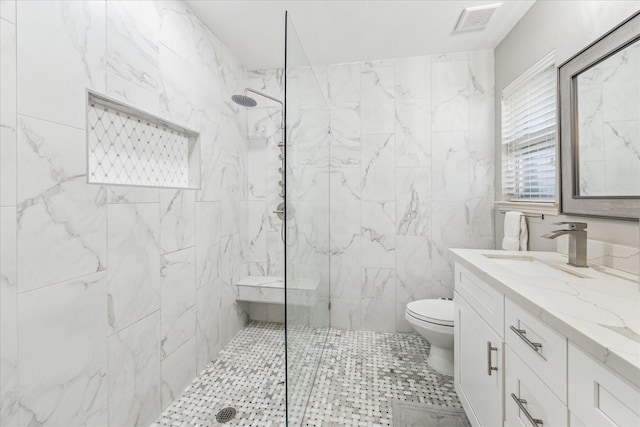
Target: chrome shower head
{"x":244,"y":100}
{"x":247,"y":101}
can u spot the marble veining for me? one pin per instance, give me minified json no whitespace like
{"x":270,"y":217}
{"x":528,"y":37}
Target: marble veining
{"x":177,"y":305}
{"x":413,"y":197}
{"x":132,"y":277}
{"x":608,"y":255}
{"x":134,"y":258}
{"x":75,"y":58}
{"x":75,"y":392}
{"x":450,"y":98}
{"x":413,"y":132}
{"x":230,"y":271}
{"x":177,"y":87}
{"x":624,"y":331}
{"x":378,"y":234}
{"x":8,"y":216}
{"x":413,"y":267}
{"x":177,"y":219}
{"x":377,"y":97}
{"x":178,"y":370}
{"x":8,"y":318}
{"x":134,"y":367}
{"x":208,"y":329}
{"x":207,"y":242}
{"x":450,"y":166}
{"x":598,"y":313}
{"x":125,"y":194}
{"x":377,"y":160}
{"x":133,"y":31}
{"x":61,"y":220}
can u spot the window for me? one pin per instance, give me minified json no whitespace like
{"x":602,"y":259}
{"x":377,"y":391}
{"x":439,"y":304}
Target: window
{"x":529,"y":135}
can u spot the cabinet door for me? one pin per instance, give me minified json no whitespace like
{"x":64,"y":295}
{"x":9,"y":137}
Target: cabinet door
{"x":598,"y":396}
{"x":478,"y":354}
{"x":527,"y":398}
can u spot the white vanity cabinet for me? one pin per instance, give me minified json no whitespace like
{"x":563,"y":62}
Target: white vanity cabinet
{"x":514,"y":369}
{"x":478,"y":349}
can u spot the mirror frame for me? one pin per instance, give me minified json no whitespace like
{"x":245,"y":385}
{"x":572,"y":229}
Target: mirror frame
{"x":617,"y":207}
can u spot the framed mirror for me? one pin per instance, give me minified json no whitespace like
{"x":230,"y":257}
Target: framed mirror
{"x":599,"y":104}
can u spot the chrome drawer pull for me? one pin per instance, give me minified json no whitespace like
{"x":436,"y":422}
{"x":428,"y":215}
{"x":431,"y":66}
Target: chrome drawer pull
{"x":489,"y":350}
{"x":521,"y":402}
{"x":535,"y":346}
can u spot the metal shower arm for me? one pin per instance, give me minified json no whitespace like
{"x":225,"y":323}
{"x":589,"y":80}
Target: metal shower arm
{"x":263,"y":94}
{"x":271,"y":98}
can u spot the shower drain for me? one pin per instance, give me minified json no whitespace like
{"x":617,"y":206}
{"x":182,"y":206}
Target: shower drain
{"x":226,"y":414}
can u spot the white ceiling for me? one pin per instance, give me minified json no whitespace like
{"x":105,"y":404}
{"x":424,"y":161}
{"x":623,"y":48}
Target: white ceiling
{"x":338,"y":31}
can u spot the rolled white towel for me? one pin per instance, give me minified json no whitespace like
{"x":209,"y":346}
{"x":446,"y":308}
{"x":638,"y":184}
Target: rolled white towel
{"x":516,"y":236}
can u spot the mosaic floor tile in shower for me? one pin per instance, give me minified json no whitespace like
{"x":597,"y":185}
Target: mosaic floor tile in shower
{"x":360,"y":375}
{"x":248,"y":375}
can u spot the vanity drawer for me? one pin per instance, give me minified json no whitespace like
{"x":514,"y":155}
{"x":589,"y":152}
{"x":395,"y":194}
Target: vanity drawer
{"x":598,"y":396}
{"x":536,"y":400}
{"x":484,"y":298}
{"x":542,"y":348}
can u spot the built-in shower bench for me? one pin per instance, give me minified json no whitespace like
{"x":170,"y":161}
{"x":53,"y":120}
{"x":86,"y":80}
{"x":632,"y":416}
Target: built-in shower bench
{"x":270,"y":290}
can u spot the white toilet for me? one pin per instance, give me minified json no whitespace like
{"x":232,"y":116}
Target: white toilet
{"x":433,"y":320}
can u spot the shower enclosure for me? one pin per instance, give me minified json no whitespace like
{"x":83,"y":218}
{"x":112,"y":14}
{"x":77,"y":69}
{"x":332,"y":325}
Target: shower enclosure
{"x":307,"y":275}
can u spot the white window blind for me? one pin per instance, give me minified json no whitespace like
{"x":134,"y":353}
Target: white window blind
{"x":529,"y":134}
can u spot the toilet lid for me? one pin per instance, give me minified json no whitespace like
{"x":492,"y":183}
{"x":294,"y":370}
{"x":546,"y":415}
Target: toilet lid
{"x":438,"y":311}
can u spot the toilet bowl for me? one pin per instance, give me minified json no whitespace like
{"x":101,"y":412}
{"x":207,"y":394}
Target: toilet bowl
{"x":433,"y":320}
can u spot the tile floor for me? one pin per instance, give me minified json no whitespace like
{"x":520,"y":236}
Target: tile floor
{"x":248,"y":375}
{"x":360,"y":374}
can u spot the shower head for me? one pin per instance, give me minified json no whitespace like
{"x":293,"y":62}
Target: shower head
{"x":247,"y":101}
{"x":244,"y":100}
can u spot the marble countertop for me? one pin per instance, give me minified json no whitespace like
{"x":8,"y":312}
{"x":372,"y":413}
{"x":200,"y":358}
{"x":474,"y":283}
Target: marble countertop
{"x":600,"y":313}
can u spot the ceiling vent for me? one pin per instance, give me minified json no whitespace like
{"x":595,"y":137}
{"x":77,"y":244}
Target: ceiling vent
{"x":476,"y":17}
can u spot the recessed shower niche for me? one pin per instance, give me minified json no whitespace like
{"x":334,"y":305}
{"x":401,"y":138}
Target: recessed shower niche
{"x":126,"y":146}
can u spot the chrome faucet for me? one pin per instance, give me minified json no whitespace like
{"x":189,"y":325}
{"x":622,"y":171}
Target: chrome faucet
{"x":577,"y":241}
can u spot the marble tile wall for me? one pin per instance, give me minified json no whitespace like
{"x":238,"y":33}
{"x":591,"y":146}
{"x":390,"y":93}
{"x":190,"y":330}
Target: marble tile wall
{"x":112,"y":298}
{"x":411,"y":174}
{"x":308,"y":188}
{"x":264,"y":248}
{"x":308,"y":153}
{"x":8,"y":218}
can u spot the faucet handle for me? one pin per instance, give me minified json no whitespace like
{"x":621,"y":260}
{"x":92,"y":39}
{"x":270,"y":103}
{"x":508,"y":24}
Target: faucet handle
{"x":573,"y":225}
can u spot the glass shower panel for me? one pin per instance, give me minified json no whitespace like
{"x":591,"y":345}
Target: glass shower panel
{"x":307,"y":224}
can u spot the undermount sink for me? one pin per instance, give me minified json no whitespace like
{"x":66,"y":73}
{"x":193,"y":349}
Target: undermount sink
{"x":527,"y":265}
